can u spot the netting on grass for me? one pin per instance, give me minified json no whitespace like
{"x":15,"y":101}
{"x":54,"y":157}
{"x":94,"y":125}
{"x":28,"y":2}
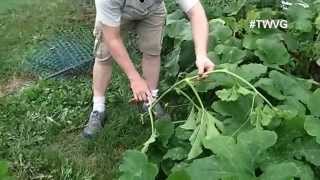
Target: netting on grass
{"x":65,"y":53}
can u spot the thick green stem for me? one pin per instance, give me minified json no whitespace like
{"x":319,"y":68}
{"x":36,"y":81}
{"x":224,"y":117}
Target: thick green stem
{"x":188,"y":80}
{"x":246,"y":82}
{"x":153,"y":130}
{"x":189,"y":98}
{"x":195,"y":92}
{"x":198,"y":97}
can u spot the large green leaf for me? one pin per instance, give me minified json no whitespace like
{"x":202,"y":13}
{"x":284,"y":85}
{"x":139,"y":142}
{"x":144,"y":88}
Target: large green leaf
{"x":190,"y":123}
{"x":182,"y":134}
{"x":308,"y":149}
{"x":196,"y":141}
{"x":292,"y":105}
{"x":282,"y":86}
{"x":233,"y":159}
{"x":172,"y":66}
{"x":180,"y":29}
{"x":302,"y":170}
{"x":228,"y":94}
{"x":251,"y":71}
{"x":282,"y":171}
{"x":229,"y":54}
{"x":290,"y":86}
{"x":135,"y":166}
{"x":179,"y":175}
{"x":249,"y":41}
{"x":165,"y":130}
{"x":272,"y":52}
{"x":205,"y":168}
{"x":262,"y":115}
{"x":300,"y":18}
{"x":233,"y":93}
{"x":279,"y":168}
{"x":294,"y":144}
{"x":290,"y":41}
{"x":235,"y":7}
{"x":219,"y":30}
{"x":314,"y":103}
{"x":235,"y":113}
{"x":177,"y":153}
{"x":174,"y":17}
{"x":317,"y":22}
{"x":312,"y":126}
{"x":269,"y":86}
{"x":207,"y":127}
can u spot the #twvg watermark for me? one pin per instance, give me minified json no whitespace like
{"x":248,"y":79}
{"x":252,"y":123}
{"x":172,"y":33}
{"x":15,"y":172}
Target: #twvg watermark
{"x":277,"y":23}
{"x":268,"y":24}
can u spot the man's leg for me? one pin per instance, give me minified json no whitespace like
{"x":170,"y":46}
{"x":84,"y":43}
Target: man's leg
{"x":151,"y":70}
{"x":150,"y":31}
{"x":102,"y":72}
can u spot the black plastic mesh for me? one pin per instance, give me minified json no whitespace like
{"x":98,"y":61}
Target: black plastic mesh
{"x":65,"y":53}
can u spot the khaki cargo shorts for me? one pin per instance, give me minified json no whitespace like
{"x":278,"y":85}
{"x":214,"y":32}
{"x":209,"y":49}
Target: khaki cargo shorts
{"x":149,"y":28}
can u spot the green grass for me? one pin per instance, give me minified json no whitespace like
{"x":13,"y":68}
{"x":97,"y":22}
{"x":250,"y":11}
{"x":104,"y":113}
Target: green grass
{"x":40,"y":125}
{"x":24,"y":25}
{"x":6,"y":5}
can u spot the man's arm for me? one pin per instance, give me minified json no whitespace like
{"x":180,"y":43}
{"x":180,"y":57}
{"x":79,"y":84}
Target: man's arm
{"x":200,"y":31}
{"x":118,"y":51}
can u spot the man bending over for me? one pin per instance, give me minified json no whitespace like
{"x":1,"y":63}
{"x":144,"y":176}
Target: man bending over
{"x":147,"y":19}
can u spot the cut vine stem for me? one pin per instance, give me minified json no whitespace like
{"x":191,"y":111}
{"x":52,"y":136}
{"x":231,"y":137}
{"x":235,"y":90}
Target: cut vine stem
{"x":188,"y":81}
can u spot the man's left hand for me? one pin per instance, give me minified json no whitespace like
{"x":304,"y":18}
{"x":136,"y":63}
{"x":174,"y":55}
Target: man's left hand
{"x":204,"y":65}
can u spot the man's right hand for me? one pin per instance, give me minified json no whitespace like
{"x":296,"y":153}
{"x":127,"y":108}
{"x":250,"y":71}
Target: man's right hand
{"x":140,"y":89}
{"x":118,"y":51}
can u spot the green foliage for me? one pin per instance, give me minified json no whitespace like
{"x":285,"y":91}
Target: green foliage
{"x":300,"y":18}
{"x":4,"y":171}
{"x":272,"y":52}
{"x":137,"y":167}
{"x":232,"y":160}
{"x":314,"y":103}
{"x":256,"y":116}
{"x":24,"y":24}
{"x":40,"y":129}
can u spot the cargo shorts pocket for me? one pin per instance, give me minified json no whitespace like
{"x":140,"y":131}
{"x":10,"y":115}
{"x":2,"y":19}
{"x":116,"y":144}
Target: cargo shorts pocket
{"x":100,"y":50}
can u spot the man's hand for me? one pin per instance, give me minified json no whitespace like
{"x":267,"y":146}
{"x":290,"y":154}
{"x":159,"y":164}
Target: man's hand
{"x":204,"y":65}
{"x":140,"y":89}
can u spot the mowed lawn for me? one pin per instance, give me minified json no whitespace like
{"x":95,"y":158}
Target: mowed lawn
{"x":11,"y":4}
{"x":41,"y":123}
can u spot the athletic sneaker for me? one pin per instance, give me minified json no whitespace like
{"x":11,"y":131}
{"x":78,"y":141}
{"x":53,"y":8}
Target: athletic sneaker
{"x":95,"y":124}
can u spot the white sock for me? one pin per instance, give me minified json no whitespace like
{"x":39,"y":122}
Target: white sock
{"x":154,"y":94}
{"x":99,"y":103}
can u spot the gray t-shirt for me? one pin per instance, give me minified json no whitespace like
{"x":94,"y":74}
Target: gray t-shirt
{"x":110,"y":12}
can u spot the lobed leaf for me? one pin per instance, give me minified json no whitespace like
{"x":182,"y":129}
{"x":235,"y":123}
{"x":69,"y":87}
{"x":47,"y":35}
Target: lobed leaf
{"x":135,"y":166}
{"x":272,"y":52}
{"x":233,"y":159}
{"x":314,"y":103}
{"x":312,"y":126}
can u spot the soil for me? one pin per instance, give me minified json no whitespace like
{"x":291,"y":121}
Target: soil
{"x":14,"y":84}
